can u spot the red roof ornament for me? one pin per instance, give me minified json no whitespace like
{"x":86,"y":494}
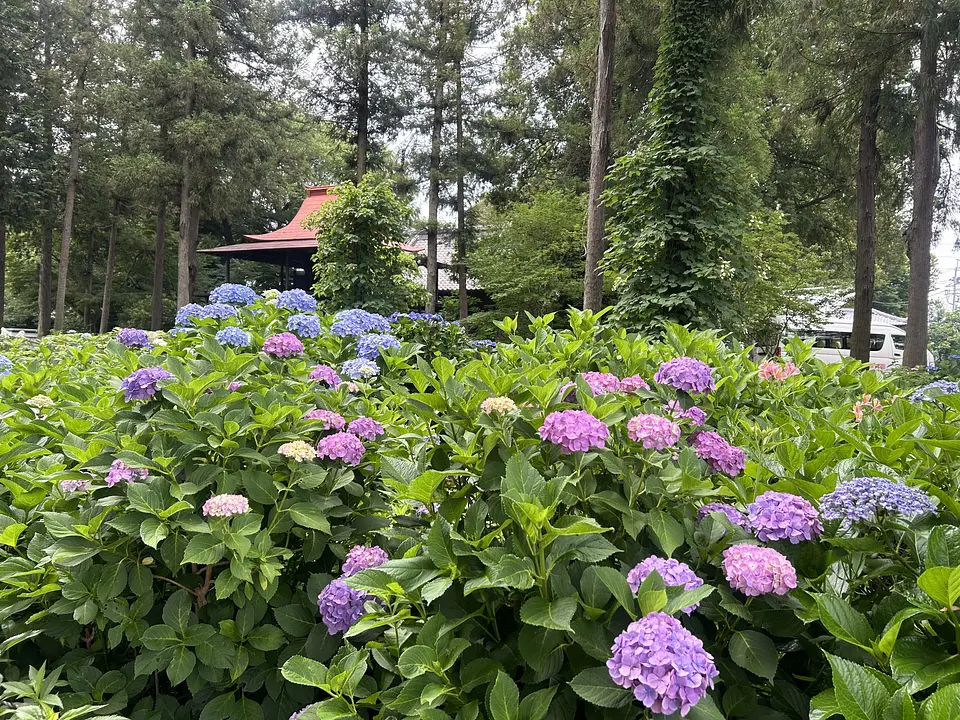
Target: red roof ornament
{"x":317,"y":195}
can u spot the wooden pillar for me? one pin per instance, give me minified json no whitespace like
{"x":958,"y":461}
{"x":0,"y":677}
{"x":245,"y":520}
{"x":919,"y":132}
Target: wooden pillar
{"x":228,"y":268}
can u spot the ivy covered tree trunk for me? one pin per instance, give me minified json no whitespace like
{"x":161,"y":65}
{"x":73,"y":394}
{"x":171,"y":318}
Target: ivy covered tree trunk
{"x":866,"y":218}
{"x":599,"y":156}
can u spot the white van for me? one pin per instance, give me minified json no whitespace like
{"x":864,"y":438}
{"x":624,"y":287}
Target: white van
{"x":831,"y":343}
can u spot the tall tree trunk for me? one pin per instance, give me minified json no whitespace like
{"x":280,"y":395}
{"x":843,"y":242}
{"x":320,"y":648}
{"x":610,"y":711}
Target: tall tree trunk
{"x":599,"y":156}
{"x":108,"y":273}
{"x":926,"y":172}
{"x":159,"y":249}
{"x":45,"y":269}
{"x":3,"y":266}
{"x":363,"y":92}
{"x":88,"y":295}
{"x":866,"y":218}
{"x":73,"y":174}
{"x":433,"y":195}
{"x":186,"y":258}
{"x":461,"y":196}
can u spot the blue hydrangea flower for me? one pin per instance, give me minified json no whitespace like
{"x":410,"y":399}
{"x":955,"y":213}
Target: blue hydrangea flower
{"x":220,"y":311}
{"x":484,"y":344}
{"x":864,"y":498}
{"x":348,"y":323}
{"x":304,"y":325}
{"x":187,"y":313}
{"x":359,"y":368}
{"x":6,"y":367}
{"x":368,"y":346}
{"x":233,"y":336}
{"x":426,"y":317}
{"x":298,"y":300}
{"x":234,"y":294}
{"x":941,"y":387}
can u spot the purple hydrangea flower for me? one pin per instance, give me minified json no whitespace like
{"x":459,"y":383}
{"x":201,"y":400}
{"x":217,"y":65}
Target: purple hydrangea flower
{"x":187,"y":314}
{"x":718,"y":453}
{"x":362,"y":557}
{"x":341,"y":446}
{"x":304,"y":325}
{"x":366,"y":428}
{"x":340,"y":606}
{"x":600,"y":382}
{"x":574,"y":431}
{"x":695,"y":415}
{"x":6,"y":366}
{"x":233,"y":336}
{"x":484,"y":344}
{"x":225,"y":506}
{"x":142,"y":384}
{"x":426,"y":317}
{"x":75,"y":485}
{"x":633,"y":383}
{"x":218,"y":311}
{"x":687,"y":374}
{"x":330,"y":419}
{"x":298,"y":713}
{"x":673,"y":572}
{"x":283,"y":345}
{"x":756,"y":570}
{"x":663,"y":663}
{"x":298,"y":300}
{"x":360,"y":369}
{"x":234,"y":294}
{"x":132,"y":337}
{"x":349,"y":323}
{"x":782,"y":516}
{"x":120,"y":471}
{"x":733,"y":515}
{"x":655,"y":432}
{"x":234,"y":386}
{"x":325,"y":373}
{"x":940,"y":387}
{"x":864,"y":498}
{"x":368,"y":346}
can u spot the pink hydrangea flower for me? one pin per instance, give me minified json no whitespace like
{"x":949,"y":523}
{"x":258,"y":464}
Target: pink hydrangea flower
{"x":283,"y":345}
{"x":366,"y":428}
{"x":633,"y":383}
{"x":720,"y":455}
{"x":601,"y":383}
{"x":654,"y":431}
{"x":225,"y":506}
{"x":330,"y":419}
{"x":574,"y":431}
{"x":341,"y":446}
{"x":362,"y":557}
{"x":119,"y":471}
{"x":497,"y":405}
{"x":695,"y":415}
{"x":325,"y":374}
{"x":755,"y":570}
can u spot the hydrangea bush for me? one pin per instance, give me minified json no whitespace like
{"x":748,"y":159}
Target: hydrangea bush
{"x":577,"y":524}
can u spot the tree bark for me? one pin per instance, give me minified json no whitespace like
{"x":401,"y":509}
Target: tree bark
{"x":363,"y":92}
{"x":926,"y":172}
{"x":866,"y":218}
{"x":433,"y":195}
{"x":599,"y":156}
{"x":159,"y":249}
{"x":73,"y":174}
{"x":88,"y":295}
{"x":461,"y":196}
{"x":108,"y":273}
{"x":186,"y":270}
{"x":45,"y":270}
{"x":3,"y":266}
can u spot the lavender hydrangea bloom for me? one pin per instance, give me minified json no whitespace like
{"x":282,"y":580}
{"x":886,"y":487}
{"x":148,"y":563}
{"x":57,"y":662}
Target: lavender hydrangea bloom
{"x":142,"y":384}
{"x":655,"y":432}
{"x":326,"y":374}
{"x":348,"y":323}
{"x":687,"y":374}
{"x":733,"y":515}
{"x":368,"y":346}
{"x":574,"y":431}
{"x":283,"y":345}
{"x":187,"y":313}
{"x":340,"y":606}
{"x":864,"y":498}
{"x":233,"y":336}
{"x":298,"y":300}
{"x":720,"y":455}
{"x":673,"y":572}
{"x":330,"y":419}
{"x":226,"y":506}
{"x":426,"y":317}
{"x":362,"y":557}
{"x":663,"y":663}
{"x":298,"y":713}
{"x":633,"y":383}
{"x":120,"y":471}
{"x":233,"y":293}
{"x":942,"y":387}
{"x":6,"y":366}
{"x":74,"y":485}
{"x":782,"y":516}
{"x":341,"y":446}
{"x":132,"y":337}
{"x":695,"y":415}
{"x":600,"y":382}
{"x":304,"y":325}
{"x":218,"y":311}
{"x":755,"y":570}
{"x":366,"y":428}
{"x":359,"y":368}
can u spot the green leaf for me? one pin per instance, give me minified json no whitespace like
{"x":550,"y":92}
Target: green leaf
{"x":152,"y":531}
{"x":942,"y":584}
{"x":310,"y":516}
{"x":861,"y":695}
{"x":248,"y":709}
{"x":112,"y":581}
{"x":617,"y":584}
{"x":522,"y":479}
{"x":554,"y":615}
{"x":504,"y":700}
{"x":304,"y":671}
{"x":259,"y":486}
{"x":842,"y":621}
{"x":537,"y":644}
{"x":666,"y":530}
{"x":593,"y":592}
{"x":755,"y":652}
{"x":220,"y":708}
{"x":825,"y":705}
{"x":160,"y":637}
{"x":295,"y":620}
{"x":595,"y":686}
{"x":536,"y":705}
{"x":181,"y":665}
{"x":176,"y":611}
{"x":439,"y":545}
{"x":203,"y":550}
{"x":901,"y":707}
{"x":217,"y":651}
{"x":685,"y":599}
{"x":918,"y":663}
{"x":706,"y":709}
{"x":11,"y":533}
{"x":943,"y":547}
{"x":944,"y":704}
{"x":266,"y":637}
{"x":416,"y":660}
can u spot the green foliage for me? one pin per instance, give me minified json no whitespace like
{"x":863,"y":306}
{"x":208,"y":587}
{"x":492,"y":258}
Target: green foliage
{"x":359,"y":262}
{"x":945,"y":336}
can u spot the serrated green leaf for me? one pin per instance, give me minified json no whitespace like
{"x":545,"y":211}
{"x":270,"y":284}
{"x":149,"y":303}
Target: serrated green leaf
{"x":181,"y":665}
{"x":504,"y":700}
{"x":204,"y":550}
{"x":554,"y":615}
{"x":310,"y":516}
{"x":595,"y":686}
{"x":755,"y":652}
{"x":304,"y":671}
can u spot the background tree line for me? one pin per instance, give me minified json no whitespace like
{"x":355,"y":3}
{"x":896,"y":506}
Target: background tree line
{"x":755,"y":151}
